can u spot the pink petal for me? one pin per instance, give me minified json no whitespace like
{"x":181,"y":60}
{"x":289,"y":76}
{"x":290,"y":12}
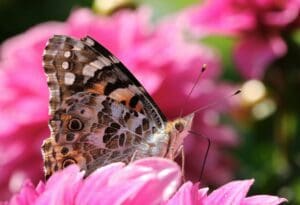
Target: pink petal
{"x":95,"y":182}
{"x":127,"y":192}
{"x":219,"y":16}
{"x":231,"y":193}
{"x":62,"y":187}
{"x":187,"y":194}
{"x":28,"y":195}
{"x":263,"y":200}
{"x":282,"y":18}
{"x":158,"y":179}
{"x":254,"y":54}
{"x":146,"y":181}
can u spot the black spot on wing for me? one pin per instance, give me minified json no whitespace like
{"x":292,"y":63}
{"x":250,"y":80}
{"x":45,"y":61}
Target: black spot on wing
{"x":115,"y":125}
{"x":100,"y":75}
{"x":106,"y":138}
{"x":121,"y":139}
{"x":47,"y":146}
{"x":78,"y":85}
{"x":56,"y":137}
{"x":127,"y":116}
{"x":110,"y":87}
{"x":64,"y":150}
{"x":70,"y":137}
{"x":110,"y":130}
{"x":138,"y":130}
{"x":133,"y":101}
{"x":145,"y":123}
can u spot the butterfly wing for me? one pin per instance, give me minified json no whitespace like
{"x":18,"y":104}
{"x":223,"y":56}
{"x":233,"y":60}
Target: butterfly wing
{"x":73,"y":66}
{"x":110,"y":107}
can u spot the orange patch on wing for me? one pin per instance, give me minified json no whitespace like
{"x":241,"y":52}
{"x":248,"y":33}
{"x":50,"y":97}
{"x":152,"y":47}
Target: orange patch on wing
{"x":124,"y":94}
{"x":97,"y":88}
{"x":65,"y":117}
{"x":121,"y":94}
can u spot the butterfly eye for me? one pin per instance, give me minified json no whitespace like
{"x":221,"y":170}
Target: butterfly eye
{"x":179,"y":127}
{"x":68,"y":162}
{"x":75,"y":125}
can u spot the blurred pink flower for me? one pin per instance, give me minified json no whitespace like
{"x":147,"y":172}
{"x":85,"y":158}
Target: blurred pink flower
{"x":259,"y":24}
{"x":159,"y":57}
{"x":23,"y":107}
{"x":146,"y":181}
{"x":219,"y":165}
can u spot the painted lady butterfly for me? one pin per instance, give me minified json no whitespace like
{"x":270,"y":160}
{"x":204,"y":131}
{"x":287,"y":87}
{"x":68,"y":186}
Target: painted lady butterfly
{"x":99,"y":112}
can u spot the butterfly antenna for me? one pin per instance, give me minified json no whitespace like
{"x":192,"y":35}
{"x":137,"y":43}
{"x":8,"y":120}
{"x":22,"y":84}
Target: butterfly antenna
{"x":206,"y":152}
{"x":191,"y":91}
{"x":217,"y":101}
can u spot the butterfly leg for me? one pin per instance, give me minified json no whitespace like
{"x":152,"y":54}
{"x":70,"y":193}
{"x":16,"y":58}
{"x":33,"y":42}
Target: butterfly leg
{"x":134,"y":156}
{"x":181,"y":151}
{"x":174,"y":154}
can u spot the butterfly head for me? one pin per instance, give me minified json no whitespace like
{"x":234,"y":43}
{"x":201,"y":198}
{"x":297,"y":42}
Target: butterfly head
{"x":178,"y":130}
{"x":183,"y":124}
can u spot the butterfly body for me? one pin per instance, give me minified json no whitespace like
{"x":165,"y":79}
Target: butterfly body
{"x":99,"y":112}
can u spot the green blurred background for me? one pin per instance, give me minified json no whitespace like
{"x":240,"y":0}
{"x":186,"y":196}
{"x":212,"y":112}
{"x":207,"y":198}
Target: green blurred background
{"x":269,"y":151}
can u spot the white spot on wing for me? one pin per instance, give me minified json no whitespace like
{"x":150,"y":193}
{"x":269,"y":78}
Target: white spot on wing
{"x":104,"y":60}
{"x":65,"y":65}
{"x":51,"y":77}
{"x":89,"y":41}
{"x":49,"y":52}
{"x":78,"y":46}
{"x":67,"y":54}
{"x":89,"y":70}
{"x":98,"y":64}
{"x":69,"y":78}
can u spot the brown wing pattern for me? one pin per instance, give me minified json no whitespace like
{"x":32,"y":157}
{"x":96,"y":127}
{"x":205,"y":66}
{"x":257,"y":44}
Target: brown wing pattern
{"x":73,"y":66}
{"x":99,"y":112}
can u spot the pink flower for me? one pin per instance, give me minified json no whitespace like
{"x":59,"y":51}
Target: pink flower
{"x":146,"y":181}
{"x":259,"y":24}
{"x":23,"y":107}
{"x":232,"y":193}
{"x":159,"y":57}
